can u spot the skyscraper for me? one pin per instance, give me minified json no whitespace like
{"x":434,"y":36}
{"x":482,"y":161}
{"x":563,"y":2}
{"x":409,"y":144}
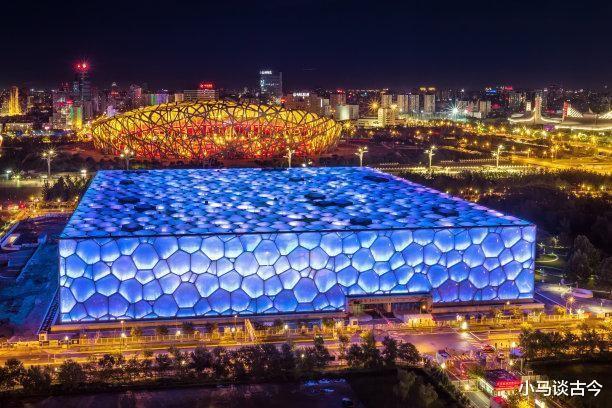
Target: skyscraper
{"x":414,"y":103}
{"x":81,"y":89}
{"x":429,"y":103}
{"x":206,"y":92}
{"x":271,"y":84}
{"x":14,"y":108}
{"x":403,"y":104}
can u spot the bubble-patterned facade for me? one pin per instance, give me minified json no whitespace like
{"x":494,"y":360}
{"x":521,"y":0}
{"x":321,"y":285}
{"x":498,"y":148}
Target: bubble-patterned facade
{"x":185,"y":243}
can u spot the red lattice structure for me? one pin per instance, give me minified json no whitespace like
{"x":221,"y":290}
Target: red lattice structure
{"x":198,"y":130}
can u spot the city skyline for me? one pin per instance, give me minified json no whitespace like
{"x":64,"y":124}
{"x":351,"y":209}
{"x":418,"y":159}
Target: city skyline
{"x":315,"y":44}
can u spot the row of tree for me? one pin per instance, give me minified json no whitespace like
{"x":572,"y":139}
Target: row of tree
{"x":64,"y":189}
{"x":541,"y":197}
{"x":539,"y":344}
{"x":587,"y":265}
{"x":252,"y":363}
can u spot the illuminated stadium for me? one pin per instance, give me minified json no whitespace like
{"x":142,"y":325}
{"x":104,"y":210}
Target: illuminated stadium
{"x":194,"y":131}
{"x":187,"y":243}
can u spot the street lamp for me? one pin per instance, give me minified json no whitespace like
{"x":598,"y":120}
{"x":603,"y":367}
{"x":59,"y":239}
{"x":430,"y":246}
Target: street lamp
{"x":360,"y":152}
{"x":289,"y":156}
{"x":127,"y":155}
{"x":48,"y":156}
{"x":430,"y":153}
{"x":497,"y":154}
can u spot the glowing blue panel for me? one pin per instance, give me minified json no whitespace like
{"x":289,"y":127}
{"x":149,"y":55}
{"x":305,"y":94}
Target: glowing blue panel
{"x":182,"y":243}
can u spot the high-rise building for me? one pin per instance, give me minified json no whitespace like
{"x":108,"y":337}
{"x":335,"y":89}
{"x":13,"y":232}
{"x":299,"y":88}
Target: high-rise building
{"x":429,"y":104}
{"x":81,"y":89}
{"x":403,"y":103}
{"x":414,"y":103}
{"x":386,"y":100}
{"x":135,"y":96}
{"x":484,"y":107}
{"x":515,"y":100}
{"x":337,"y":98}
{"x":271,"y":84}
{"x":206,"y":92}
{"x":387,"y":116}
{"x":309,"y":102}
{"x":346,"y":112}
{"x":156,"y":98}
{"x":66,"y":115}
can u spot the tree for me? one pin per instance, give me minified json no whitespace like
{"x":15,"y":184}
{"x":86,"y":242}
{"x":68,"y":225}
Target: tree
{"x":408,"y":353}
{"x":277,"y":324}
{"x":136,"y":331}
{"x":516,"y":400}
{"x":604,"y":274}
{"x":584,"y":260}
{"x":163,"y":362}
{"x":179,"y":360}
{"x":36,"y":380}
{"x":201,"y":359}
{"x":187,"y":328}
{"x":132,"y":368}
{"x":221,"y":362}
{"x":146,"y":367}
{"x":161,"y":330}
{"x":11,"y":374}
{"x":70,"y":375}
{"x":371,"y":354}
{"x":343,"y":343}
{"x":306,"y":359}
{"x":354,"y":356}
{"x":476,"y":371}
{"x":287,"y":358}
{"x":328,"y":323}
{"x":238,"y":366}
{"x":321,"y":354}
{"x":405,"y":382}
{"x":427,"y":394}
{"x":106,"y":367}
{"x":390,"y":351}
{"x":272,"y":359}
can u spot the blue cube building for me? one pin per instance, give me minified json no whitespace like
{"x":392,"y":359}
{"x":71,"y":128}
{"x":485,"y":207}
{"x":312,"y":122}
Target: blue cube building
{"x":186,"y":243}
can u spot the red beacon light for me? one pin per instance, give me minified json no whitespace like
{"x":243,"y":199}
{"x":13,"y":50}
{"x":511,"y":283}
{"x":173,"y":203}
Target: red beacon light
{"x":82,"y":66}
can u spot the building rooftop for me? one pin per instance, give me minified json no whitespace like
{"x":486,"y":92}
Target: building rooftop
{"x":502,"y":378}
{"x":236,"y":201}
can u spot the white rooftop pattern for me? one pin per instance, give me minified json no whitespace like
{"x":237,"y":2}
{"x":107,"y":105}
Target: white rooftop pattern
{"x":236,"y":201}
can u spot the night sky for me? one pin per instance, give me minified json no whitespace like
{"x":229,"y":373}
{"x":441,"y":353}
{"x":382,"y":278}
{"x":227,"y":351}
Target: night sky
{"x":376,"y":43}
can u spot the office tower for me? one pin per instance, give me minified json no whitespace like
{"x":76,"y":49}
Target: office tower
{"x":206,"y":92}
{"x":337,"y":98}
{"x":81,"y":90}
{"x":271,"y":85}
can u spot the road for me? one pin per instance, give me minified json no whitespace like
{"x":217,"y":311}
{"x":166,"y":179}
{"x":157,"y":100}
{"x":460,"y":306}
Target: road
{"x":427,"y":341}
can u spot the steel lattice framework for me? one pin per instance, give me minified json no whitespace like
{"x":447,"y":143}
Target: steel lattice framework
{"x":197,"y":130}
